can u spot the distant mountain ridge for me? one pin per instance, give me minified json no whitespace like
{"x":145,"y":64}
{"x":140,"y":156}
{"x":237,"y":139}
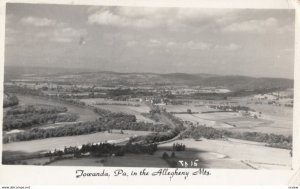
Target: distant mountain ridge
{"x":232,"y":82}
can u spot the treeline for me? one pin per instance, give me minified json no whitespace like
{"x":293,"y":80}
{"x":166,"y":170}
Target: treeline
{"x":10,"y":100}
{"x":246,"y":92}
{"x":202,"y":132}
{"x":104,"y":123}
{"x":106,"y":149}
{"x":120,"y":104}
{"x":98,"y":150}
{"x":156,"y":137}
{"x":272,"y":140}
{"x":39,"y":109}
{"x":21,"y":121}
{"x":22,"y":90}
{"x":177,"y":122}
{"x":178,"y":127}
{"x":231,"y":108}
{"x":73,"y":102}
{"x":154,"y":117}
{"x":32,"y":115}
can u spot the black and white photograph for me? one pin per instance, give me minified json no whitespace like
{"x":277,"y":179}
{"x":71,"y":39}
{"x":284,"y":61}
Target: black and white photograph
{"x":157,"y":87}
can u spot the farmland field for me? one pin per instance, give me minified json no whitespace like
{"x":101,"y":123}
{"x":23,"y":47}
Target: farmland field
{"x":60,"y":142}
{"x":94,"y":101}
{"x":218,"y":154}
{"x":129,"y":160}
{"x":183,"y":108}
{"x":194,"y":118}
{"x":223,"y":154}
{"x":273,"y":119}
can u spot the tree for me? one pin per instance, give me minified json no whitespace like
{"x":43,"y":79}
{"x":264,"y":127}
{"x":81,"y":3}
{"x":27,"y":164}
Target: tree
{"x":189,"y":111}
{"x":172,"y":155}
{"x":165,"y":155}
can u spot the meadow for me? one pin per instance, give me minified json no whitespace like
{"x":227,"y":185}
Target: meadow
{"x":223,"y":154}
{"x":50,"y":144}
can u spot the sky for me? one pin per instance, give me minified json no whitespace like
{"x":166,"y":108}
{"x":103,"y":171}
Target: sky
{"x":252,"y":42}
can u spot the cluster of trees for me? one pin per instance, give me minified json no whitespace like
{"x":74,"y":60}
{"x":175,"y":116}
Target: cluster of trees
{"x":76,"y":95}
{"x":178,"y":123}
{"x":178,"y":147}
{"x":119,"y":92}
{"x":28,"y":116}
{"x":102,"y":112}
{"x":170,"y":159}
{"x":38,"y":109}
{"x":121,"y":104}
{"x":10,"y":100}
{"x":140,"y":148}
{"x":154,"y":117}
{"x":247,"y":92}
{"x":125,"y":94}
{"x":22,"y":90}
{"x":73,"y":102}
{"x":232,"y":108}
{"x":104,"y":123}
{"x":202,"y":132}
{"x":272,"y":140}
{"x":157,"y":137}
{"x":105,"y":149}
{"x":209,"y":96}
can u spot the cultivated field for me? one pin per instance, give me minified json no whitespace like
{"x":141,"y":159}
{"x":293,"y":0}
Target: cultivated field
{"x":60,"y":142}
{"x":94,"y":101}
{"x":273,"y":119}
{"x":128,"y":160}
{"x":194,"y":118}
{"x":183,"y":108}
{"x":223,"y":154}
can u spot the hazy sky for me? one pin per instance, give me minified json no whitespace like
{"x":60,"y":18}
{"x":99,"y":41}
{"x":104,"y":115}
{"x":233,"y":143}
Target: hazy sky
{"x":128,"y":39}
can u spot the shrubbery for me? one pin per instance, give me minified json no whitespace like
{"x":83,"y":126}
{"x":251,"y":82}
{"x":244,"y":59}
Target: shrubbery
{"x":272,"y":140}
{"x":105,"y":149}
{"x":28,"y":116}
{"x":104,"y":123}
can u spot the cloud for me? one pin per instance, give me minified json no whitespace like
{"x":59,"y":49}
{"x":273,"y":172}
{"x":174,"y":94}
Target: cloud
{"x":148,"y":17}
{"x":63,"y":35}
{"x":256,"y":26}
{"x":122,"y":18}
{"x":196,"y":45}
{"x":171,"y":44}
{"x":155,"y":43}
{"x":229,"y":47}
{"x":131,"y":43}
{"x":183,"y":45}
{"x":232,"y":47}
{"x":39,"y":22}
{"x":56,"y":31}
